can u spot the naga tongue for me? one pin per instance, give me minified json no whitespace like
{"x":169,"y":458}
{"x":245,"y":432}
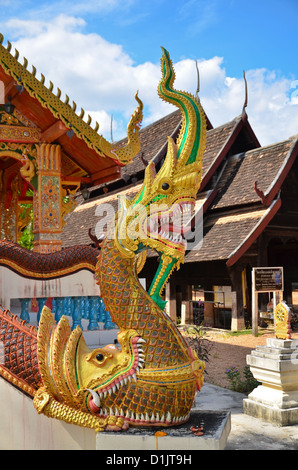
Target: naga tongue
{"x":94,"y":403}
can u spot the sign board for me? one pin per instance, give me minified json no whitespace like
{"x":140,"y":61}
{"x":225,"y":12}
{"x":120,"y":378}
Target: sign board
{"x":265,"y":280}
{"x":268,"y":279}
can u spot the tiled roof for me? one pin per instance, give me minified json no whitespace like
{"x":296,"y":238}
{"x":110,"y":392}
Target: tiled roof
{"x":238,"y":211}
{"x":86,"y":216}
{"x":226,"y":233}
{"x":262,"y":165}
{"x":216,"y":140}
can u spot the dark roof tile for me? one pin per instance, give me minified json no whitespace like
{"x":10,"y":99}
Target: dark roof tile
{"x":262,"y":165}
{"x":223,"y":234}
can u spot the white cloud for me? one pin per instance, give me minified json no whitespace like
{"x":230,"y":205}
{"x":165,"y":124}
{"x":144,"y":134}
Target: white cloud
{"x":103,"y":80}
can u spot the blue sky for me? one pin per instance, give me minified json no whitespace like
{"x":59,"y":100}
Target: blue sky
{"x":100,"y":52}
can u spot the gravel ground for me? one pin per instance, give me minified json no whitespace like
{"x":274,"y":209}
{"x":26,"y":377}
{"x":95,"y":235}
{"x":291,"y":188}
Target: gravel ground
{"x":227,"y":351}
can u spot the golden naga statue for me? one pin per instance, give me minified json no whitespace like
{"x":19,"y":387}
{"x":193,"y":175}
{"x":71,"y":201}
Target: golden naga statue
{"x":153,"y":377}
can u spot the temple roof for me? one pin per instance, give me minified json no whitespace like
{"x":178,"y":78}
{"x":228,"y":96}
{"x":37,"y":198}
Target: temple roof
{"x":228,"y":235}
{"x":56,"y":120}
{"x":247,"y":198}
{"x":257,"y":170}
{"x":236,"y":134}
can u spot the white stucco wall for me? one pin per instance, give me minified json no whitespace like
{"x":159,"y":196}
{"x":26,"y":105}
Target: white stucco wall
{"x":22,"y":428}
{"x":13,"y":286}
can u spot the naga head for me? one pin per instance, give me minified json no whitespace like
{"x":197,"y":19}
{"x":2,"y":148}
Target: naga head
{"x":85,"y":378}
{"x":83,"y":385}
{"x":159,"y":215}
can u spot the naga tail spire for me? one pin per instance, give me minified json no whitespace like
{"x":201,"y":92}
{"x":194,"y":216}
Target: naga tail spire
{"x":167,"y":197}
{"x":192,"y":135}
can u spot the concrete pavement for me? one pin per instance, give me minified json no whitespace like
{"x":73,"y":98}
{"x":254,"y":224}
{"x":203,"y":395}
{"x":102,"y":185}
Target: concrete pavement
{"x":247,"y":433}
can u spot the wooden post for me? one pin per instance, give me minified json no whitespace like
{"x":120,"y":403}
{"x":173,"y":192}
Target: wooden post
{"x":254,"y":305}
{"x":186,"y":313}
{"x":237,"y":320}
{"x":170,"y":294}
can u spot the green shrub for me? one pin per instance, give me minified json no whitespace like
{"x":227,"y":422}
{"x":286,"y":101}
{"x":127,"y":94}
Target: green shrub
{"x":195,"y":338}
{"x":239,"y":384}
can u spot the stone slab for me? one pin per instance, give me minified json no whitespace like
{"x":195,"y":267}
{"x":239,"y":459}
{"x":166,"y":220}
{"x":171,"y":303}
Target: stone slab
{"x":282,"y":343}
{"x":271,"y":414}
{"x":216,"y":428}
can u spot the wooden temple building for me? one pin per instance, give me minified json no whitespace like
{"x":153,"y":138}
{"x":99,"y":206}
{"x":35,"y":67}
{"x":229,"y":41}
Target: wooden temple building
{"x":51,"y":159}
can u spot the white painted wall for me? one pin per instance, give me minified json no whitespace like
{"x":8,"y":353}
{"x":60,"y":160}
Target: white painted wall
{"x":13,"y":286}
{"x":22,"y":428}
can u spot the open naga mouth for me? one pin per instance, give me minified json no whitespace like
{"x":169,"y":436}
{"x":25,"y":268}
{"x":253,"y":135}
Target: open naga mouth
{"x":172,"y":225}
{"x":99,"y":402}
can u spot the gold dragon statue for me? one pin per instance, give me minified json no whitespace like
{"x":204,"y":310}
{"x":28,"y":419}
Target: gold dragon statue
{"x":152,"y":377}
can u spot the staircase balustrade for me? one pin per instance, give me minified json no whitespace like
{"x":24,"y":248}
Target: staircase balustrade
{"x":90,"y":308}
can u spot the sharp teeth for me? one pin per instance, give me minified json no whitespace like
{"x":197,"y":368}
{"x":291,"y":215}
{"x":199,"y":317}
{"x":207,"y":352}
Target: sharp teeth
{"x":134,"y":377}
{"x":111,"y":412}
{"x":168,"y":418}
{"x":127,"y":414}
{"x":116,"y":412}
{"x":152,"y":225}
{"x":132,"y":416}
{"x":141,"y":340}
{"x":137,"y":416}
{"x":147,"y":417}
{"x":142,"y":418}
{"x":162,"y":419}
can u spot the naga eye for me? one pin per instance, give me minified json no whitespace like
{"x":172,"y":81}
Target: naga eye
{"x":165,"y":186}
{"x":100,"y":357}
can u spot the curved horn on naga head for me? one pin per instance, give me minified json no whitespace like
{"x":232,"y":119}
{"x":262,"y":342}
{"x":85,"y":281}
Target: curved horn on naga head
{"x":153,"y":377}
